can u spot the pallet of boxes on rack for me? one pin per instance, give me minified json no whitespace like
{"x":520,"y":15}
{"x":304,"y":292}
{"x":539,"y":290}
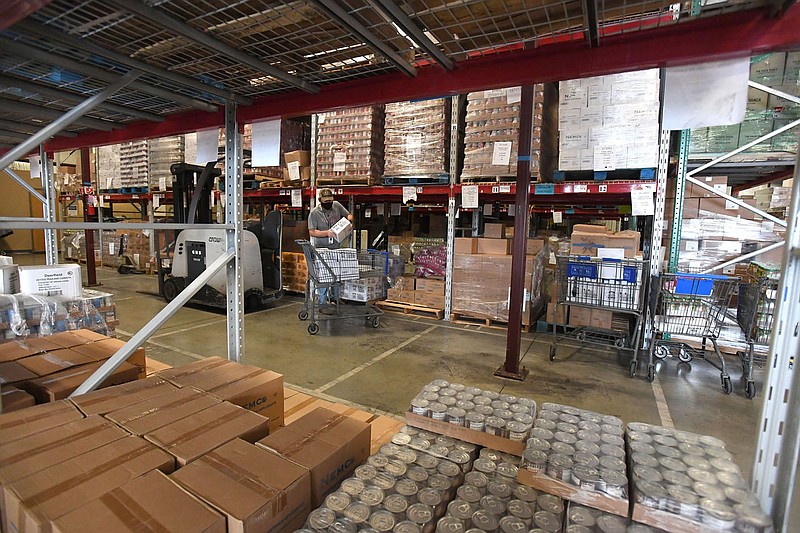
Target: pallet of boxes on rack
{"x":162,"y":154}
{"x":134,"y":168}
{"x":609,"y":123}
{"x":491,"y":134}
{"x":350,"y":146}
{"x":482,"y":278}
{"x":294,"y":164}
{"x":417,"y":142}
{"x":104,"y":168}
{"x":421,"y":289}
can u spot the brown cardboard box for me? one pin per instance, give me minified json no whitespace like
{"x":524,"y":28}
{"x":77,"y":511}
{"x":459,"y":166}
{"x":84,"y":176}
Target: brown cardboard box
{"x":253,"y":388}
{"x":61,"y":384}
{"x":330,"y":445}
{"x":466,"y":245}
{"x":34,"y":501}
{"x":718,"y":206}
{"x":139,"y":505}
{"x":627,"y":240}
{"x":301,"y":156}
{"x":508,"y":233}
{"x":435,"y":301}
{"x":400,"y":295}
{"x":430,"y":286}
{"x":589,"y":228}
{"x":693,"y":191}
{"x":580,"y":316}
{"x":68,"y":339}
{"x":583,"y":243}
{"x":201,"y":432}
{"x":14,"y":372}
{"x":110,"y":399}
{"x":494,"y":231}
{"x":256,"y":489}
{"x":557,"y":314}
{"x":14,"y":399}
{"x":48,"y":363}
{"x":154,"y":413}
{"x":17,"y":349}
{"x":534,"y":246}
{"x":494,"y":246}
{"x":102,"y":350}
{"x":601,"y":319}
{"x":26,"y":422}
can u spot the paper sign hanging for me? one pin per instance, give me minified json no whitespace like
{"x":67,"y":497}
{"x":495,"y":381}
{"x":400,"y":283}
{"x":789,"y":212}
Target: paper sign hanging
{"x":558,"y":217}
{"x":297,"y":198}
{"x":368,"y":212}
{"x":156,"y":201}
{"x":501,"y":153}
{"x":409,"y":193}
{"x":339,"y":160}
{"x":642,"y":203}
{"x":266,"y":143}
{"x":207,"y":143}
{"x":36,"y":166}
{"x":381,"y":208}
{"x":604,"y":158}
{"x":162,"y":184}
{"x":513,"y":95}
{"x":395,"y":210}
{"x":294,"y":170}
{"x":487,"y":210}
{"x":512,"y":210}
{"x":469,"y":196}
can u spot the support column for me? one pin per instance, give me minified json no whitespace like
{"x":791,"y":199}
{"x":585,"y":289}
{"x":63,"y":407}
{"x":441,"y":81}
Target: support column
{"x":680,"y":191}
{"x":88,"y":235}
{"x":49,"y":207}
{"x":233,"y":237}
{"x":510,"y":368}
{"x":455,"y":145}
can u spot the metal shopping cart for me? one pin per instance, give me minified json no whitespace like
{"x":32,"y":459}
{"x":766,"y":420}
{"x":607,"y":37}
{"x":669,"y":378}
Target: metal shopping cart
{"x":332,"y":270}
{"x":613,"y":286}
{"x":689,"y":305}
{"x":754,"y":313}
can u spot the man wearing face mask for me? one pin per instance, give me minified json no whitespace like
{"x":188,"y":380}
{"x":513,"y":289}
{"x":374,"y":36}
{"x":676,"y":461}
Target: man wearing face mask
{"x":320,"y":221}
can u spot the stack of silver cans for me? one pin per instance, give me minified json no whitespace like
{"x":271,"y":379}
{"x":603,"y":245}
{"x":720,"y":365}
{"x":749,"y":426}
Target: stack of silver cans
{"x":503,"y":415}
{"x":579,"y":447}
{"x":404,"y":488}
{"x":692,"y":476}
{"x":491,"y":500}
{"x":581,"y":519}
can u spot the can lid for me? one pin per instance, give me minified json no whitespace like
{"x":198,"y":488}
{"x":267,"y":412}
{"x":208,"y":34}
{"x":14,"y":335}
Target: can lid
{"x":456,"y":412}
{"x":365,"y":472}
{"x":588,"y":447}
{"x":406,"y":526}
{"x":499,"y":489}
{"x":396,"y":503}
{"x":482,"y":400}
{"x":525,"y":493}
{"x":343,"y":525}
{"x":417,"y":473}
{"x":447,"y":401}
{"x":493,"y":504}
{"x":419,"y":513}
{"x":545,"y":424}
{"x":321,"y":518}
{"x":485,"y":520}
{"x":612,"y":450}
{"x":639,"y":426}
{"x":520,"y":509}
{"x":352,"y":486}
{"x":401,"y":438}
{"x":507,"y":470}
{"x":448,"y":468}
{"x":384,"y":480}
{"x":495,"y":422}
{"x":732,"y":479}
{"x":371,"y":495}
{"x":358,"y":512}
{"x":611,"y":524}
{"x":476,"y":479}
{"x":580,"y":515}
{"x":420,"y":403}
{"x":677,"y":478}
{"x":466,"y":405}
{"x":461,"y":509}
{"x":643,"y":473}
{"x":718,"y":509}
{"x":337,"y":501}
{"x":429,"y":496}
{"x":547,"y":521}
{"x":668,"y":451}
{"x":563,"y":448}
{"x":378,"y":460}
{"x":645,"y":459}
{"x":449,"y":524}
{"x":673,"y":464}
{"x":704,"y":476}
{"x":565,"y":437}
{"x":550,"y":503}
{"x":588,"y":425}
{"x":512,"y":524}
{"x":475,"y":417}
{"x":469,"y":493}
{"x":420,"y":443}
{"x":406,"y":487}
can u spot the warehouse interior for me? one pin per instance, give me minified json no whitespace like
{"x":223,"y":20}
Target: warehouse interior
{"x":581,"y":214}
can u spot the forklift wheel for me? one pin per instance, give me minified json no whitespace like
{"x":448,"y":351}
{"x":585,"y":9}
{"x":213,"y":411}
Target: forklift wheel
{"x":171,"y":289}
{"x":125,"y":269}
{"x":252,"y":302}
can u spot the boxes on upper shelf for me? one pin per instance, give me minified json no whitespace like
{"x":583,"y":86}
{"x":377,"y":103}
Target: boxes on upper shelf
{"x":350,"y":146}
{"x":417,"y":137}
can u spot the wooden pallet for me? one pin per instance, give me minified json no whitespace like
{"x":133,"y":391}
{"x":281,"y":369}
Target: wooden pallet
{"x":461,"y":318}
{"x":411,"y":309}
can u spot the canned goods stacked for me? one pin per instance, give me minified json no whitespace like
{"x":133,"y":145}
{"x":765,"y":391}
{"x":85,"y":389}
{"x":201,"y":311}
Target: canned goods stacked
{"x":404,"y":488}
{"x":581,"y":519}
{"x":503,"y":415}
{"x":491,"y":500}
{"x":578,"y":447}
{"x":694,"y":477}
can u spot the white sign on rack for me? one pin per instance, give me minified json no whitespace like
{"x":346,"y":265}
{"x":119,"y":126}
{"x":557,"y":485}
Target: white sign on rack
{"x":266,"y":139}
{"x":469,"y":196}
{"x":207,"y":143}
{"x":558,"y":217}
{"x":297,"y":198}
{"x":512,"y":210}
{"x":395,"y":210}
{"x":501,"y":153}
{"x":294,"y":170}
{"x":513,"y":95}
{"x":380,"y":209}
{"x":156,"y":201}
{"x":339,"y":161}
{"x":604,"y":158}
{"x":642,"y":202}
{"x":487,"y":210}
{"x":36,"y":166}
{"x":409,"y":193}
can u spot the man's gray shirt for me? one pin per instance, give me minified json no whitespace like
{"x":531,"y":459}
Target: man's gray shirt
{"x":323,"y":220}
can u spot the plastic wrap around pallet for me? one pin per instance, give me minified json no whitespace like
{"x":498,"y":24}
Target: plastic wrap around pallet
{"x":417,"y":137}
{"x":23,"y":315}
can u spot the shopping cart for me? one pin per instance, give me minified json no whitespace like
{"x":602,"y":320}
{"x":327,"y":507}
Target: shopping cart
{"x":754,"y":313}
{"x":689,"y":305}
{"x":617,"y":286}
{"x":331,"y":270}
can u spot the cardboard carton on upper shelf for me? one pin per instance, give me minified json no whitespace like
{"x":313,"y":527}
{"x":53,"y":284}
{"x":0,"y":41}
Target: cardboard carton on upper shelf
{"x":329,"y":444}
{"x":466,"y":245}
{"x":534,"y":246}
{"x":494,"y":230}
{"x":256,"y":489}
{"x":303,"y":157}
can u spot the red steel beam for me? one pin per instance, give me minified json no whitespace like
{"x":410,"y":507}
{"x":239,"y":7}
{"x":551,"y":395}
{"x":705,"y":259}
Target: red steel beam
{"x":725,"y":36}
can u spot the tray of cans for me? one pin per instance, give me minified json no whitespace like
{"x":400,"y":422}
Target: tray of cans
{"x":686,"y":482}
{"x":578,"y":455}
{"x":582,"y":519}
{"x":498,"y":421}
{"x":401,"y":488}
{"x":491,"y":499}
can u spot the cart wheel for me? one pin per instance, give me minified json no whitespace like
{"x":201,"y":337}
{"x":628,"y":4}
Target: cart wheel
{"x":634,"y":367}
{"x":651,"y":373}
{"x":684,"y":356}
{"x":303,"y":315}
{"x":727,"y":386}
{"x":750,"y":390}
{"x":661,"y":352}
{"x":581,"y":336}
{"x":376,"y":322}
{"x":619,"y":343}
{"x":552,"y":353}
{"x":313,"y":328}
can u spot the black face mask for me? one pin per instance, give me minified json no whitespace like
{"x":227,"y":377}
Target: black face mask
{"x":327,"y":205}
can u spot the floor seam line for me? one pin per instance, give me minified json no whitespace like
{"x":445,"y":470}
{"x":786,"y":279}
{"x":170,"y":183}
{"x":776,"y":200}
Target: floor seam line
{"x":374,"y":360}
{"x":168,"y":347}
{"x":661,"y":404}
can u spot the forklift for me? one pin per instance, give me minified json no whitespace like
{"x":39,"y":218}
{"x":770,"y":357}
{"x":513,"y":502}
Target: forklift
{"x":195,"y":249}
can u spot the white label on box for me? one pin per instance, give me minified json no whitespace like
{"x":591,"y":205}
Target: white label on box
{"x":413,"y":142}
{"x":469,"y":196}
{"x":72,"y":210}
{"x":768,"y":226}
{"x":294,"y":170}
{"x":380,"y":209}
{"x":339,"y":160}
{"x":513,"y":95}
{"x":604,"y":158}
{"x":557,"y":217}
{"x":36,"y":166}
{"x":642,"y":203}
{"x":395,"y":210}
{"x":731,"y":205}
{"x":501,"y":153}
{"x":111,"y":248}
{"x":156,"y":201}
{"x":368,"y":212}
{"x":162,"y":184}
{"x":53,"y":280}
{"x":487,"y":210}
{"x":297,"y":198}
{"x":409,"y":193}
{"x":494,"y":93}
{"x":321,"y":118}
{"x":207,"y":143}
{"x":692,"y":246}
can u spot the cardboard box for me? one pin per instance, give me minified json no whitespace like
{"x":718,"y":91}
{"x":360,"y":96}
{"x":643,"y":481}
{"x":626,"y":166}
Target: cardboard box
{"x":718,"y":206}
{"x":34,"y":501}
{"x":250,"y":387}
{"x":494,"y":231}
{"x":431,"y":286}
{"x":13,"y":372}
{"x":138,"y":505}
{"x":51,"y":362}
{"x":590,"y":228}
{"x":61,"y":384}
{"x":401,"y":296}
{"x":534,"y":246}
{"x":587,"y":244}
{"x":201,"y":432}
{"x":580,"y":316}
{"x":110,"y":399}
{"x":256,"y":490}
{"x":601,"y":319}
{"x":466,"y":245}
{"x":329,"y":444}
{"x":51,"y":280}
{"x":104,"y":349}
{"x":21,"y":424}
{"x":147,"y":416}
{"x":9,"y":279}
{"x":70,"y":339}
{"x":494,"y":246}
{"x":557,"y":314}
{"x":17,"y":349}
{"x":342,"y":229}
{"x":303,"y":157}
{"x":14,"y":399}
{"x":435,"y":301}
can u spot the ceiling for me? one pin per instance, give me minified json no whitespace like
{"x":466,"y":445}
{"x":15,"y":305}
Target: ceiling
{"x":194,"y":55}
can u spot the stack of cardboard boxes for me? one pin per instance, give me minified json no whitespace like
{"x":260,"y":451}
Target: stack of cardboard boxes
{"x":350,"y":146}
{"x":294,"y":271}
{"x":417,"y":137}
{"x":424,"y":292}
{"x":297,"y":169}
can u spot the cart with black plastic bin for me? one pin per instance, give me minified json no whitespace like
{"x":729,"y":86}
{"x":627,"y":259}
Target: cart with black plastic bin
{"x":615,"y":285}
{"x":690,"y":305}
{"x":755,"y":312}
{"x":331,"y":269}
